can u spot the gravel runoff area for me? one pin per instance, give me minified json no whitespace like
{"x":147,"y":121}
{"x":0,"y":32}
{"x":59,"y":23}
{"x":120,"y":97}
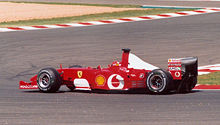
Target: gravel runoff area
{"x":24,"y":11}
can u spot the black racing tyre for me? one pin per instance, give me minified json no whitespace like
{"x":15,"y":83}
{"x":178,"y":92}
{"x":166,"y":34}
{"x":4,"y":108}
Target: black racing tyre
{"x":159,"y":81}
{"x":48,"y":80}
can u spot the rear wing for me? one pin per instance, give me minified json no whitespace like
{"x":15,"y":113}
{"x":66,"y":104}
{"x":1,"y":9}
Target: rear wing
{"x":180,"y":67}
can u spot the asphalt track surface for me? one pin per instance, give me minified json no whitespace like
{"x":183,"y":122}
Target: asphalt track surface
{"x":24,"y":53}
{"x":201,"y":3}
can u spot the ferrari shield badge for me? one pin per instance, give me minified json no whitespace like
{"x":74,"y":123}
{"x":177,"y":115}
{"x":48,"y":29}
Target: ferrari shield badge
{"x":79,"y":73}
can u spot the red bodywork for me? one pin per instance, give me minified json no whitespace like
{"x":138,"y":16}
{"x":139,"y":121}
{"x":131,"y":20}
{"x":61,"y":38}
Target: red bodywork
{"x":118,"y":76}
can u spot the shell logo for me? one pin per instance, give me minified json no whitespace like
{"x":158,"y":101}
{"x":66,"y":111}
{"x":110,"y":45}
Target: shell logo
{"x":115,"y":81}
{"x":100,"y":80}
{"x":169,"y":60}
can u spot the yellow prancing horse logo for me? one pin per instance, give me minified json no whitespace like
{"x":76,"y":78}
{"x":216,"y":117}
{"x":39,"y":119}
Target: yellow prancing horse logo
{"x":79,"y":73}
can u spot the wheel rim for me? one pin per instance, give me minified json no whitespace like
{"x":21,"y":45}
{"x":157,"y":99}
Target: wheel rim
{"x":44,"y":80}
{"x":156,"y":82}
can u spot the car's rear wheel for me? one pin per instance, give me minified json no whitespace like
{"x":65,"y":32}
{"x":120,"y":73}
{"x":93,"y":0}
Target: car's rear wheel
{"x":159,"y":81}
{"x":48,"y":80}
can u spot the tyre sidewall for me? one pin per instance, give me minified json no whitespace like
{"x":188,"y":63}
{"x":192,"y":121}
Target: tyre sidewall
{"x":54,"y":83}
{"x":165,"y":79}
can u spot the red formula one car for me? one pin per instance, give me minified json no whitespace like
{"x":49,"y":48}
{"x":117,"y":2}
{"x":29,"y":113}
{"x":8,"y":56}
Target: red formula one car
{"x":130,"y":73}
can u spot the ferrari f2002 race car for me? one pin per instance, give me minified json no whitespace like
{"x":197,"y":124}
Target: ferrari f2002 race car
{"x":130,"y":73}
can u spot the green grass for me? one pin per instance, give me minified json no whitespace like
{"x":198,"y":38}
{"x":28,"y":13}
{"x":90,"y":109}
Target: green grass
{"x":91,"y":17}
{"x":212,"y":78}
{"x":83,"y":4}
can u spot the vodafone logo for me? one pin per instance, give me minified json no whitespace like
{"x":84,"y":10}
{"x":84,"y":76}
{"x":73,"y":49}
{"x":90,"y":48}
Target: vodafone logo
{"x":177,"y":74}
{"x":115,"y":81}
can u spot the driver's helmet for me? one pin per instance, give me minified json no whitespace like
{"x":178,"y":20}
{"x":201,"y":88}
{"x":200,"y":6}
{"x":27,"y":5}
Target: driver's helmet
{"x":116,"y":63}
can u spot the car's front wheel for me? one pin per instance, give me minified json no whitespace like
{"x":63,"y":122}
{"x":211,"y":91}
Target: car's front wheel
{"x":48,"y":80}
